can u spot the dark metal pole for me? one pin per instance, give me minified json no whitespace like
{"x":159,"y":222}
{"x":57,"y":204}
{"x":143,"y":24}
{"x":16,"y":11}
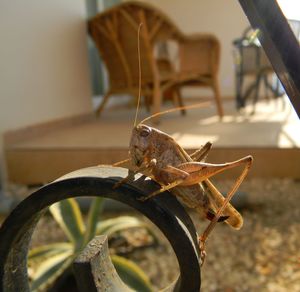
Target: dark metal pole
{"x":279,"y":43}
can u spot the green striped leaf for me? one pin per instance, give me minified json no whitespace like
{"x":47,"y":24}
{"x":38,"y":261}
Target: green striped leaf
{"x":110,"y":226}
{"x":39,"y":253}
{"x":93,"y":215}
{"x":131,"y":274}
{"x":68,"y":215}
{"x":50,"y":270}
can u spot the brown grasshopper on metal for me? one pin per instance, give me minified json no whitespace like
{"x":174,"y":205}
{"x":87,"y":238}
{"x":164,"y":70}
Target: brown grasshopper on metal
{"x":157,"y":155}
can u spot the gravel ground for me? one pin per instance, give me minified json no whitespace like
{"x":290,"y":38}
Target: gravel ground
{"x":263,"y":256}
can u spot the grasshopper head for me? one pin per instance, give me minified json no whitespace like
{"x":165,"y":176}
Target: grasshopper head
{"x":140,"y":143}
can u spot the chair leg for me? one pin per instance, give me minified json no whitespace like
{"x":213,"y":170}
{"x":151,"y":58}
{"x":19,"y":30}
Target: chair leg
{"x":216,"y":90}
{"x":256,"y":92}
{"x":156,"y":102}
{"x":177,"y":98}
{"x":240,"y":98}
{"x":147,"y":101}
{"x":102,"y":104}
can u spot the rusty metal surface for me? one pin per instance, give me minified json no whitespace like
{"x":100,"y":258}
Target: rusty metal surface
{"x":164,"y":211}
{"x":279,"y":43}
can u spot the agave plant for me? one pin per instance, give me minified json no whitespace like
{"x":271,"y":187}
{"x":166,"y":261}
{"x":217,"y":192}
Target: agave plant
{"x":48,"y":262}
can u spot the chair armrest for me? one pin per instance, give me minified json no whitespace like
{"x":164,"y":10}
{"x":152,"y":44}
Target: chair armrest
{"x":199,"y":53}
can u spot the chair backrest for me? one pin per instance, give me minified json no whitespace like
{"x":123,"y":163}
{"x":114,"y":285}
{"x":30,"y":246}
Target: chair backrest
{"x":115,"y":33}
{"x":199,"y":53}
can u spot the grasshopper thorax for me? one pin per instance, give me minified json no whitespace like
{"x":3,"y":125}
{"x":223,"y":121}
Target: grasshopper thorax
{"x":149,"y":143}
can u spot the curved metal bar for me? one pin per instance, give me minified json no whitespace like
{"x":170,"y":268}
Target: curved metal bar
{"x":164,"y":211}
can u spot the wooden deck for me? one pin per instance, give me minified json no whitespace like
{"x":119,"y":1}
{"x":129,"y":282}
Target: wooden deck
{"x":41,"y":153}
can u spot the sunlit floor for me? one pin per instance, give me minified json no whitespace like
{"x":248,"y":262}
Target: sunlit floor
{"x":271,"y":134}
{"x":274,"y":124}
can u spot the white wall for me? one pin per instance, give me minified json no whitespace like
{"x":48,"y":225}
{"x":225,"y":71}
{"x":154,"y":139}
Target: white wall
{"x":43,"y":62}
{"x":224,"y":18}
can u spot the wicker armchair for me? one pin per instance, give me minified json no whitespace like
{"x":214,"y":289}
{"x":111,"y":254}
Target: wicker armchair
{"x":115,"y":35}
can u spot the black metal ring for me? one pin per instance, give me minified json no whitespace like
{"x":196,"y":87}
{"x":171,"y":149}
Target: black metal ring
{"x":164,"y":211}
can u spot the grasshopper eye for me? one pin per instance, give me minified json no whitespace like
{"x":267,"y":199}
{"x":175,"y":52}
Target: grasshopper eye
{"x":144,"y":132}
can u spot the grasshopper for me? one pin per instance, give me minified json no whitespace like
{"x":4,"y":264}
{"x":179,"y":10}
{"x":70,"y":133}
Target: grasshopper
{"x":157,"y":155}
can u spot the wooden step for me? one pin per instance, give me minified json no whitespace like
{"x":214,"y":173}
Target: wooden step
{"x":41,"y":153}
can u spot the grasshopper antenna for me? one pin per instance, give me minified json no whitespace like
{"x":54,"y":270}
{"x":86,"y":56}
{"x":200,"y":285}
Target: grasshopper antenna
{"x":197,"y":105}
{"x":140,"y":76}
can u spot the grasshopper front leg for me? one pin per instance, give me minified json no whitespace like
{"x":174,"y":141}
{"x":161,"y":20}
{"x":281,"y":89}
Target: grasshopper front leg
{"x":132,"y":173}
{"x":176,"y":176}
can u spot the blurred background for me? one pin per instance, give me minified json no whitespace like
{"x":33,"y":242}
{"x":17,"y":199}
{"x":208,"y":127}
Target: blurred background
{"x":52,"y":80}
